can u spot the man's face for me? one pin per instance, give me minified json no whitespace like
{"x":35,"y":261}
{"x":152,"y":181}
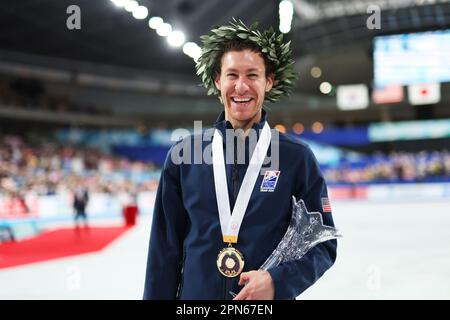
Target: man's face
{"x":243,"y":83}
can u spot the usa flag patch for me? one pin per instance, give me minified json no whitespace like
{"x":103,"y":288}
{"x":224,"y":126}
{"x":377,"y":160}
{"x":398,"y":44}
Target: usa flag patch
{"x":326,"y":206}
{"x":270,"y":181}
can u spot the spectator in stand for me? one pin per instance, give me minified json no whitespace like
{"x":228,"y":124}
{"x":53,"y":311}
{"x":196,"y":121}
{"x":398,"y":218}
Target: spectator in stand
{"x":396,"y":167}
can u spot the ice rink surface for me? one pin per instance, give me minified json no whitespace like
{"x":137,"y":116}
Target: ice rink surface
{"x":391,"y":250}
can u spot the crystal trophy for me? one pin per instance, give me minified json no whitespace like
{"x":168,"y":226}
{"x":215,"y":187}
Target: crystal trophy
{"x":305,"y":230}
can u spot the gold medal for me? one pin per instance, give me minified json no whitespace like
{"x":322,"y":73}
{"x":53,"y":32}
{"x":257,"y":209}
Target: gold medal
{"x":230,"y":262}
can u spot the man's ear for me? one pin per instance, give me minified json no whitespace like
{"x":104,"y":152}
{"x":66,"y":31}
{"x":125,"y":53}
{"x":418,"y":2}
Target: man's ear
{"x":270,"y":81}
{"x":217,"y":81}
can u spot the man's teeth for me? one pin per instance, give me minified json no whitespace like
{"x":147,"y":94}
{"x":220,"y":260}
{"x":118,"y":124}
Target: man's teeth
{"x":241,"y":99}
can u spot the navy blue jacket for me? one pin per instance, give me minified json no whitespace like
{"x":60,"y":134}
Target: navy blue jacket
{"x":186,"y":236}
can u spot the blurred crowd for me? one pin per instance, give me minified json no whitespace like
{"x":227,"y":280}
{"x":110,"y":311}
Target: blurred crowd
{"x":31,"y":94}
{"x":49,"y":168}
{"x":394,"y":167}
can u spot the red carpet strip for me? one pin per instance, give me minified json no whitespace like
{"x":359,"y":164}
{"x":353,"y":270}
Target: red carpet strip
{"x":57,"y":244}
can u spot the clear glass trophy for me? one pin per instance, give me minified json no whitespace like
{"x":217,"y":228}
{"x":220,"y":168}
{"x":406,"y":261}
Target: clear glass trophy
{"x":305,"y":230}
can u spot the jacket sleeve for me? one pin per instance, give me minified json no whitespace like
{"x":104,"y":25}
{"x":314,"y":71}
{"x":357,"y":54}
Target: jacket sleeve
{"x":165,"y":254}
{"x":292,"y":278}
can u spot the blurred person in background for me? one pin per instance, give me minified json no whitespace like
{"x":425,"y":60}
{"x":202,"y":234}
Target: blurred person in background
{"x":128,"y":200}
{"x":80,"y":202}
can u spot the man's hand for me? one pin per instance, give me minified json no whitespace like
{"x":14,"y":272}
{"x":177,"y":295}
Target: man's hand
{"x":258,"y":286}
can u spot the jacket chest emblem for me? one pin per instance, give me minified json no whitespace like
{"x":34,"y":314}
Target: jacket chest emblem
{"x":270,"y":181}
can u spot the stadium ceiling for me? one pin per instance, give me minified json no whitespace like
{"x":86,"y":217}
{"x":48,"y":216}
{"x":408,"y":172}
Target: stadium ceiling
{"x":110,"y":35}
{"x":330,"y":34}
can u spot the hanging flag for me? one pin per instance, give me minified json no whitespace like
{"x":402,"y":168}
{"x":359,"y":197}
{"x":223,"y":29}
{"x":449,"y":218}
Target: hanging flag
{"x":426,"y":93}
{"x":352,"y":97}
{"x":388,"y":94}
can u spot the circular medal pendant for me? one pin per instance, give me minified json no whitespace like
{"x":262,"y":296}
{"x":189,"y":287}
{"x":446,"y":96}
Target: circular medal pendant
{"x":230,"y":262}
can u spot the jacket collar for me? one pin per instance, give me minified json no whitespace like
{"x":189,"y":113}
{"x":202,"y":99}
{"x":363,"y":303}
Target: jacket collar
{"x":221,"y":124}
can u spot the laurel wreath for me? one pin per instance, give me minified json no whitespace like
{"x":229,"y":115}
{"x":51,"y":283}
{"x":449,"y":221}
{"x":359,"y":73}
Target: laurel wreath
{"x":272,"y":46}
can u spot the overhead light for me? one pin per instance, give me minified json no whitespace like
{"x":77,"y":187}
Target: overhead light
{"x":286,"y":12}
{"x":192,"y":50}
{"x":298,"y":128}
{"x":286,"y":7}
{"x":131,"y":5}
{"x":316,"y":72}
{"x":281,"y":128}
{"x":141,"y":12}
{"x":188,"y":48}
{"x":285,"y":28}
{"x":164,"y":30}
{"x":155,"y":22}
{"x":325,"y":87}
{"x":317,"y":127}
{"x":176,"y":38}
{"x":119,"y":3}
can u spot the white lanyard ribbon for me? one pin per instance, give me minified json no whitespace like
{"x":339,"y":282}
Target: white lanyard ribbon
{"x":231,"y":223}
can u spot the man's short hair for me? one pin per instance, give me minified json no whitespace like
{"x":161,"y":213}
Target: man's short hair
{"x":237,"y":45}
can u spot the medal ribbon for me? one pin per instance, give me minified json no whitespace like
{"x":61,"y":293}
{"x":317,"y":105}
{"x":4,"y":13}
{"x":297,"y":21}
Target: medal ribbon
{"x":231,"y":223}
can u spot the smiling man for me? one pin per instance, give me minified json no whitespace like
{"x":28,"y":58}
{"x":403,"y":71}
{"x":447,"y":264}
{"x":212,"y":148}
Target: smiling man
{"x":243,"y":80}
{"x":215,"y":225}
